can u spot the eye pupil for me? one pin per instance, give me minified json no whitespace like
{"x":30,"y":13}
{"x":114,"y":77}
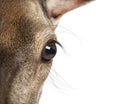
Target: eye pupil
{"x":49,"y":51}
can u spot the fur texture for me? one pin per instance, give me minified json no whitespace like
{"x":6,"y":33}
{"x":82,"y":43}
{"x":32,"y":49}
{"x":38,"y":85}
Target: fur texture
{"x":25,"y":28}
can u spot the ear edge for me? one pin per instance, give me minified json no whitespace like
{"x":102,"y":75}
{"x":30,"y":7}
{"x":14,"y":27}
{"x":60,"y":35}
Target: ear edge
{"x":57,"y":12}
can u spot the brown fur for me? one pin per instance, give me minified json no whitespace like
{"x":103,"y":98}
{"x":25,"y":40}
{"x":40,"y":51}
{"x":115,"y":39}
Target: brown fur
{"x":25,"y":28}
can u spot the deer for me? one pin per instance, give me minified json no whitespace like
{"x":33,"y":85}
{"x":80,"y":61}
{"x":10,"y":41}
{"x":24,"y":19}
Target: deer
{"x":28,"y":46}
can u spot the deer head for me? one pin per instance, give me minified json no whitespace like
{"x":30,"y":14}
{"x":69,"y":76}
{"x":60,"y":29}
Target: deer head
{"x":27,"y":46}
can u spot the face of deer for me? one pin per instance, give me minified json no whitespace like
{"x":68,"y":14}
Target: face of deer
{"x":27,"y":46}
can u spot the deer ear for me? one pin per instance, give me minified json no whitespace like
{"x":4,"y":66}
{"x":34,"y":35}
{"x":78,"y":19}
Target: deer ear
{"x":56,"y":8}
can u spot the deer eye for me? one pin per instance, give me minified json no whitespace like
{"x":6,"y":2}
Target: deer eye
{"x":49,"y":51}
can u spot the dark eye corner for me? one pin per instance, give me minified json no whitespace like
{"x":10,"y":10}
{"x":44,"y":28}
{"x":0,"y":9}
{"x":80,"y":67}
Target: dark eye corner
{"x":49,"y":51}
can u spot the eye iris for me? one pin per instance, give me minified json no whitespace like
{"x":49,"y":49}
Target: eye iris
{"x":49,"y":51}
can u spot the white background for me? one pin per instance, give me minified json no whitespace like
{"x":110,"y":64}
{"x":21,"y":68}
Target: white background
{"x":87,"y":70}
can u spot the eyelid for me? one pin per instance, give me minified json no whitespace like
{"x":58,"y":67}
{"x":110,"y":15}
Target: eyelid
{"x":58,"y":43}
